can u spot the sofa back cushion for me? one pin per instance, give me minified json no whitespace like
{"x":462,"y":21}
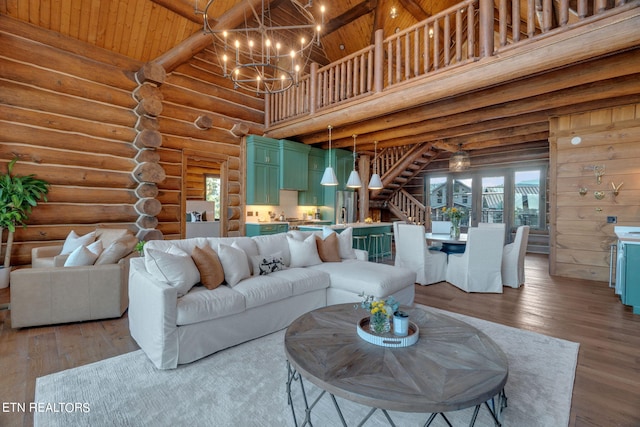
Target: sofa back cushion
{"x":270,"y":244}
{"x":120,"y":248}
{"x":174,"y":267}
{"x":73,"y":241}
{"x":110,"y":235}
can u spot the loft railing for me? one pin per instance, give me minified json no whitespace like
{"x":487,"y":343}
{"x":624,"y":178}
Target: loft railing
{"x":454,"y":37}
{"x":407,"y":207}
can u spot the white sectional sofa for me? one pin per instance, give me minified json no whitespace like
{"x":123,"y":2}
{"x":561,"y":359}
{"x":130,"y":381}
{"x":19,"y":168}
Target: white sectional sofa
{"x":175,"y":325}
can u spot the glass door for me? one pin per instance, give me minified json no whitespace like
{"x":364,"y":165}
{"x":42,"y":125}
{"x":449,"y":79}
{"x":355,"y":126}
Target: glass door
{"x":527,"y":200}
{"x":492,"y":199}
{"x":462,"y":199}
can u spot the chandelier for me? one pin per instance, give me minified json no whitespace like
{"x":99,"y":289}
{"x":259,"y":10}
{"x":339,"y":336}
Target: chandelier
{"x":261,"y":58}
{"x":459,"y":161}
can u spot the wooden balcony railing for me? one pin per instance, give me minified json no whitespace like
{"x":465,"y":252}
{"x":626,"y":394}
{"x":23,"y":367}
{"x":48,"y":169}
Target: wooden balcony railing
{"x":454,"y":37}
{"x":407,"y":207}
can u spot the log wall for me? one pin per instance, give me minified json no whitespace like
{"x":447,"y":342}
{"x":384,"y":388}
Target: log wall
{"x":580,"y":234}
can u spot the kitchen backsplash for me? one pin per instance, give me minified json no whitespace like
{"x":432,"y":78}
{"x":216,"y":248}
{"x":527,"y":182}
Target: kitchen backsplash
{"x":288,"y":205}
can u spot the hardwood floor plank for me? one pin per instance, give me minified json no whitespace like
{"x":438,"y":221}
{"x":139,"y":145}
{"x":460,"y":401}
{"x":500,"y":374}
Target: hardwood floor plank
{"x":606,"y":390}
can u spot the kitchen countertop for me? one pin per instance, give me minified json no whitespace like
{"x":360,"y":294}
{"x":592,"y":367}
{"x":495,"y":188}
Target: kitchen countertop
{"x":353,"y":225}
{"x":632,"y":236}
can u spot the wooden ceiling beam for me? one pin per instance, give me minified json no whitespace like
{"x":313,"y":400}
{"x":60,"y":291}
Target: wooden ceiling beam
{"x":357,"y":11}
{"x":414,"y":8}
{"x":184,"y":8}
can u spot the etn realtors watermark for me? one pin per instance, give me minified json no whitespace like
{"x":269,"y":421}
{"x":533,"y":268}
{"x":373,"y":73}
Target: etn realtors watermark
{"x":53,"y":407}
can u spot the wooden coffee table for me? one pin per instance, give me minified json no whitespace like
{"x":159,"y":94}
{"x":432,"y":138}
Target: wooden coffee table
{"x":452,"y":366}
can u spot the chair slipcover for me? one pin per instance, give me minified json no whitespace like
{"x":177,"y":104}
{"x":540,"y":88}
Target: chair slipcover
{"x":440,"y":227}
{"x":499,"y":225}
{"x":478,"y":269}
{"x":513,"y":258}
{"x":412,"y":253}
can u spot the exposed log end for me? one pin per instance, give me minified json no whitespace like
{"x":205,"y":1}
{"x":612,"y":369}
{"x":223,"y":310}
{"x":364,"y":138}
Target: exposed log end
{"x":149,"y":172}
{"x":147,"y":90}
{"x":240,"y":130}
{"x":147,"y":190}
{"x":148,"y":139}
{"x":151,"y":72}
{"x":204,"y":122}
{"x":145,"y":155}
{"x":147,"y":235}
{"x":148,"y":206}
{"x":147,"y":123}
{"x":234,"y":213}
{"x":149,"y":107}
{"x":147,"y":222}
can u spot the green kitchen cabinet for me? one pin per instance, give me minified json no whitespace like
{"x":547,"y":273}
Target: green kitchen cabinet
{"x":294,"y":161}
{"x":314,"y":195}
{"x":263,"y":171}
{"x":261,"y":229}
{"x":631,"y":295}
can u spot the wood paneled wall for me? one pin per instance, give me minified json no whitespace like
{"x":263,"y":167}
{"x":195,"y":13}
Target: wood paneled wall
{"x":580,"y":234}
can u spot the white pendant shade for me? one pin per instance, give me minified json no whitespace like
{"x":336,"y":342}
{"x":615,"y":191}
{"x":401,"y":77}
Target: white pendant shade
{"x":329,"y":177}
{"x":354,"y":180}
{"x":375,"y":183}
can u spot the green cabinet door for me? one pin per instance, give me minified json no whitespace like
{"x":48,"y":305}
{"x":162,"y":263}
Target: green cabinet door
{"x":314,"y":195}
{"x":294,"y":161}
{"x":263,"y":171}
{"x":263,"y":229}
{"x":632,"y":277}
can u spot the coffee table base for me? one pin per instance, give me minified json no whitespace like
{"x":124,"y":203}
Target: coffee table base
{"x":293,"y":375}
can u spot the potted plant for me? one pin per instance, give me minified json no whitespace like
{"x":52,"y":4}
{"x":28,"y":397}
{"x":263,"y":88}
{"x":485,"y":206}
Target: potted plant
{"x":18,"y":195}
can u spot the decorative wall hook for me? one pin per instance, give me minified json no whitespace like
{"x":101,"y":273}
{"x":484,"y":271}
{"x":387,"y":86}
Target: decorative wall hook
{"x":616,"y":189}
{"x":599,"y":171}
{"x":598,"y":195}
{"x":583,"y":191}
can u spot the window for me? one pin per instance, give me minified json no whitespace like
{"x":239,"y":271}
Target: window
{"x":492,"y":199}
{"x":212,"y":192}
{"x":527,"y":198}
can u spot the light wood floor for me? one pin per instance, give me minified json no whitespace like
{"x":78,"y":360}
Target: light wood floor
{"x":607,"y":385}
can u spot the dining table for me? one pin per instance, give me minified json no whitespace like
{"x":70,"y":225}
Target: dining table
{"x":450,"y":245}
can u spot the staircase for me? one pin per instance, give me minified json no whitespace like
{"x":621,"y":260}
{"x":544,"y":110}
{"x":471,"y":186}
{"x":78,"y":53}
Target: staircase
{"x":397,"y":166}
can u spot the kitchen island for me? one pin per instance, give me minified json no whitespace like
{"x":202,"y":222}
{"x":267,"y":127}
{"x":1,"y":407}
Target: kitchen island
{"x":362,"y":229}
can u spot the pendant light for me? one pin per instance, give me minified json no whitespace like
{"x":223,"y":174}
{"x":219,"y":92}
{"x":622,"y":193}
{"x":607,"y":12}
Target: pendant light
{"x":375,"y":183}
{"x":329,"y":177}
{"x":459,"y":161}
{"x":354,"y":178}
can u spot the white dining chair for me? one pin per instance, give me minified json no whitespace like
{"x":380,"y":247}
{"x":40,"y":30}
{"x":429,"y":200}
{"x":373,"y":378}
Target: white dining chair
{"x":412,"y":253}
{"x":498,"y":225}
{"x":513,"y":258}
{"x":440,"y":227}
{"x":478,"y":269}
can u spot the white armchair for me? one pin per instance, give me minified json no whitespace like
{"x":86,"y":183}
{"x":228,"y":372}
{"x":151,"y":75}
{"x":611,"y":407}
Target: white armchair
{"x":513,"y":258}
{"x":478,"y":269}
{"x":412,"y":253}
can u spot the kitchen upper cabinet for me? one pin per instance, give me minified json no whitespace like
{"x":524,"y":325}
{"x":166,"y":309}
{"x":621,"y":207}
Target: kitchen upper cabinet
{"x":314,"y":195}
{"x":294,"y":165}
{"x":263,"y":171}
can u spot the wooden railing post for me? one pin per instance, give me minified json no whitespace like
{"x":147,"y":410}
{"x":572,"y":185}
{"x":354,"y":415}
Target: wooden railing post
{"x":486,"y":28}
{"x":378,"y":66}
{"x":313,"y":87}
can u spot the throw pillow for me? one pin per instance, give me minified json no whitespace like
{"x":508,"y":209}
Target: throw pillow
{"x":303,"y":253}
{"x":234,"y":263}
{"x":117,"y":250}
{"x":345,"y":241}
{"x":328,"y":248}
{"x":174,"y":267}
{"x":209,"y":265}
{"x":265,"y":264}
{"x":73,"y":241}
{"x":84,"y":255}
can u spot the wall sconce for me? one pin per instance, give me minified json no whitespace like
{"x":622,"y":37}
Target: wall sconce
{"x":599,"y":172}
{"x":393,"y":13}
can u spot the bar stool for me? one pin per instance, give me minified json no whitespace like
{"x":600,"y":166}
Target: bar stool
{"x":388,"y":245}
{"x":375,"y":246}
{"x":360,"y":242}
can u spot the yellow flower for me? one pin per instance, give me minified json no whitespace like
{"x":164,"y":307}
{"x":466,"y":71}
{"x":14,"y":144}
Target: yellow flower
{"x":454,"y":210}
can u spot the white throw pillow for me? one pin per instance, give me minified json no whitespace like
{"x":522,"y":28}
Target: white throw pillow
{"x":265,"y":264}
{"x":174,"y":267}
{"x":73,"y":241}
{"x":84,"y":255}
{"x":345,"y":241}
{"x":303,"y":253}
{"x":234,"y":263}
{"x":272,"y":243}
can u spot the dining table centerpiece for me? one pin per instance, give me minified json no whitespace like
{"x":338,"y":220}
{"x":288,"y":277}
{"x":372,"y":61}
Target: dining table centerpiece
{"x":455,"y":215}
{"x":380,"y":312}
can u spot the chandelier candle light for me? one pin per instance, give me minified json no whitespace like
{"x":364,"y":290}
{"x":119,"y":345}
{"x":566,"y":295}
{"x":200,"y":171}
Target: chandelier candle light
{"x":263,"y":64}
{"x":354,"y":178}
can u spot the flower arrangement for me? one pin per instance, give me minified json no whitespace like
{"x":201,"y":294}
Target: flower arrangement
{"x":454,"y":214}
{"x":381,"y":312}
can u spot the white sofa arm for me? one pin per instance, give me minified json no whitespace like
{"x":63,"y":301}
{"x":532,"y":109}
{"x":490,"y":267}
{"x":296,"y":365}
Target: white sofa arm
{"x":361,"y":254}
{"x":152,"y":316}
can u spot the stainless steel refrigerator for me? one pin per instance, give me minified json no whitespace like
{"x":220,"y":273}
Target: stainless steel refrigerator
{"x":346,"y":207}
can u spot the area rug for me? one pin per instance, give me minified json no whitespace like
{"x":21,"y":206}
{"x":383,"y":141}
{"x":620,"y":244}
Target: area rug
{"x":246,"y":386}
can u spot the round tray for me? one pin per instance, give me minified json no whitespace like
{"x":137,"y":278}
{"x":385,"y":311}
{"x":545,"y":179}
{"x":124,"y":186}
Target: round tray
{"x":388,"y":339}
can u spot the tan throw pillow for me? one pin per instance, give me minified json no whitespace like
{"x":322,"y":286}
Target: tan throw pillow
{"x":329,"y":248}
{"x":209,"y":265}
{"x":117,"y":250}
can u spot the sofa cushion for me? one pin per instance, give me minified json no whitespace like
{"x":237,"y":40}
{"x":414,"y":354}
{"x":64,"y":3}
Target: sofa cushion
{"x":84,"y":255}
{"x":118,"y":249}
{"x":202,"y":304}
{"x":272,"y":243}
{"x":174,"y":267}
{"x":266,"y":264}
{"x":209,"y":266}
{"x":110,"y":235}
{"x":260,"y":290}
{"x":73,"y":241}
{"x":304,"y":280}
{"x":379,"y":280}
{"x":303,"y":253}
{"x":328,"y":248}
{"x":234,"y":263}
{"x":345,"y":241}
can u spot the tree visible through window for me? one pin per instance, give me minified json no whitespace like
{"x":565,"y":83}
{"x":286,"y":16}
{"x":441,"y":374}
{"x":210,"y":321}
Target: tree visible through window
{"x":212,"y":192}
